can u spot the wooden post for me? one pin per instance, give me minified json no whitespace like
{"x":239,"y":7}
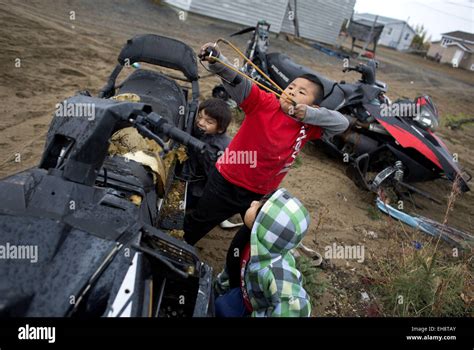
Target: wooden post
{"x":369,"y":39}
{"x":295,"y":19}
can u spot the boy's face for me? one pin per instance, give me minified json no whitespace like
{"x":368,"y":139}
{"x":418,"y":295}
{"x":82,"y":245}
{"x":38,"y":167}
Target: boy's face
{"x":207,"y":124}
{"x":302,"y":91}
{"x":251,"y":213}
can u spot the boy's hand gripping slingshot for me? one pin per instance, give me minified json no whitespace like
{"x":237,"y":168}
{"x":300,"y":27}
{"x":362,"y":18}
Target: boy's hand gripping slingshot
{"x":211,"y":55}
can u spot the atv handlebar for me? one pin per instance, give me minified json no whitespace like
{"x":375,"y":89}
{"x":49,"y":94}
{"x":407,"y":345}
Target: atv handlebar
{"x":351,"y":68}
{"x":162,"y":126}
{"x":368,"y":72}
{"x":153,"y":125}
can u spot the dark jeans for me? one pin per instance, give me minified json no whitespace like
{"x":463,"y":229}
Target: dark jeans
{"x":191,"y":201}
{"x":220,"y":201}
{"x":231,"y":304}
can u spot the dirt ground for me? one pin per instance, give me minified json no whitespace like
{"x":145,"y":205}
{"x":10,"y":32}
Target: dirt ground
{"x":60,"y":56}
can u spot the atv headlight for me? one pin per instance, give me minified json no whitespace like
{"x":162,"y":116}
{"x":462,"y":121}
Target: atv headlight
{"x":426,"y":120}
{"x":427,"y":113}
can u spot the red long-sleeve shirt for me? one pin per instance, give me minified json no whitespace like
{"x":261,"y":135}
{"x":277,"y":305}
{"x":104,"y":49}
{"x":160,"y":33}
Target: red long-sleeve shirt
{"x":266,"y":145}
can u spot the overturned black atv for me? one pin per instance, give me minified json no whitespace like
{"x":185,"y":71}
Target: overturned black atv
{"x":94,"y":219}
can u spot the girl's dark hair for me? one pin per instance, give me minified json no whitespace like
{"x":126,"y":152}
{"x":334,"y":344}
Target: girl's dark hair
{"x":320,"y":89}
{"x":262,"y":201}
{"x":219,"y":110}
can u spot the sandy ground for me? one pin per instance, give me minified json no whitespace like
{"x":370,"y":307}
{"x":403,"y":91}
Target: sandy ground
{"x":60,"y":56}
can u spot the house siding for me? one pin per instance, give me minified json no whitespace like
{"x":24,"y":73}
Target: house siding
{"x":319,"y":20}
{"x":467,"y":61}
{"x":396,"y":38}
{"x":246,"y":12}
{"x":448,"y":54}
{"x":435,"y":48}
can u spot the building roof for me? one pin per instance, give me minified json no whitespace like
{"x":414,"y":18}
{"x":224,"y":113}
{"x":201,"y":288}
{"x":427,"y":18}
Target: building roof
{"x":465,"y":48}
{"x":465,"y":36}
{"x":381,"y":19}
{"x":367,"y":22}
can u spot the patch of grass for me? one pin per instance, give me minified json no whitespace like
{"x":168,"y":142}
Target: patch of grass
{"x":373,"y":212}
{"x":417,"y":283}
{"x":456,"y":121}
{"x":313,"y":285}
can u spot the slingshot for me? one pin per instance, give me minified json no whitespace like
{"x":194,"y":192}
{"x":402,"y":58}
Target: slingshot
{"x":282,"y":93}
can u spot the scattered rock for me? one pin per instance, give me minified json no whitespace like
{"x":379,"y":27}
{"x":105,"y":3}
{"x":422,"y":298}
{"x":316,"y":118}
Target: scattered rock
{"x":370,"y":234}
{"x":341,"y":196}
{"x":364,"y":297}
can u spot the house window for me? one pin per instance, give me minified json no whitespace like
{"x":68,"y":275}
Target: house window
{"x":389,"y":31}
{"x":445,"y":42}
{"x":407,"y":36}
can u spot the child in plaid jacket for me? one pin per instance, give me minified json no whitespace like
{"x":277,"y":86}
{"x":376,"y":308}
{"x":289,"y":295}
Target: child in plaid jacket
{"x":271,"y":286}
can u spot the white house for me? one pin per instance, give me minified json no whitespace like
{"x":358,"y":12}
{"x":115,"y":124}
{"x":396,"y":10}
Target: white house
{"x":455,"y":48}
{"x":318,"y":20}
{"x":396,"y":34}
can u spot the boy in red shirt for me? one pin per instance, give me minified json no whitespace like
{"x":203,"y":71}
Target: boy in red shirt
{"x":263,"y":150}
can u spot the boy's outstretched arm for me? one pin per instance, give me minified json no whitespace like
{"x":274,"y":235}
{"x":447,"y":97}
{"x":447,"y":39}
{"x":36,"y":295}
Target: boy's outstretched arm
{"x":332,"y":122}
{"x":240,"y":87}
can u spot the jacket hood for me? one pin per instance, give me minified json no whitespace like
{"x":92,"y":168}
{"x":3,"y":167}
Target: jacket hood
{"x":279,"y":227}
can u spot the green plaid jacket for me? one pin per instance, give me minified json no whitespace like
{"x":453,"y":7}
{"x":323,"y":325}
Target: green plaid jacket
{"x":272,"y":281}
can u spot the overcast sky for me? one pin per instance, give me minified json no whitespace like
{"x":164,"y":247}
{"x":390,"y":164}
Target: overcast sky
{"x":438,"y":16}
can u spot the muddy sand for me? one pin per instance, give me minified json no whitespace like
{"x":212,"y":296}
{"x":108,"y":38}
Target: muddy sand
{"x":60,"y":56}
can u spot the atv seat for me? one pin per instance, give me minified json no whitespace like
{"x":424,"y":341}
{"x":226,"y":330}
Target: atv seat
{"x":160,"y":51}
{"x":343,"y":95}
{"x":292,"y":70}
{"x":288,"y":68}
{"x":336,"y":98}
{"x":162,"y":93}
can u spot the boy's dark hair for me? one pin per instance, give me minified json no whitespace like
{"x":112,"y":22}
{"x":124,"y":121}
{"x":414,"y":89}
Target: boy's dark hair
{"x":219,"y":110}
{"x":320,"y":91}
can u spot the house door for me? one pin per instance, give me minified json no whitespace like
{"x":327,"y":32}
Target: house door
{"x":457,"y":58}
